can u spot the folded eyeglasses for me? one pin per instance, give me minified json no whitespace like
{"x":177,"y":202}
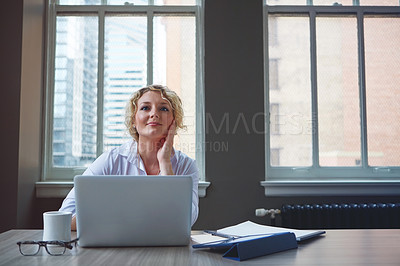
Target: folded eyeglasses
{"x":54,"y":248}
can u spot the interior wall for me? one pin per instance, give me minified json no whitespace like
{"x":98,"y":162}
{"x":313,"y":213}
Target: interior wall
{"x":30,"y":110}
{"x":10,"y":76}
{"x":234,"y":107}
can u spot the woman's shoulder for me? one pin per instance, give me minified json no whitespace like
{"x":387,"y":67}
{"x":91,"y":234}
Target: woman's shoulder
{"x":182,"y":158}
{"x":126,"y":151}
{"x":122,"y":150}
{"x":111,"y":160}
{"x":184,"y":165}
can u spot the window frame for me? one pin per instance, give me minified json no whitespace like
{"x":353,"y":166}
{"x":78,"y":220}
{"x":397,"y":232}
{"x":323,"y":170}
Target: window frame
{"x":53,"y":176}
{"x":316,"y":180}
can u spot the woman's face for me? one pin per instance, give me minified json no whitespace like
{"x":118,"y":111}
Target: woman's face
{"x":153,"y":116}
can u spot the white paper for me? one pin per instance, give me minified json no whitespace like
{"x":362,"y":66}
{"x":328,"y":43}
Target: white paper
{"x":250,"y":228}
{"x":206,"y":238}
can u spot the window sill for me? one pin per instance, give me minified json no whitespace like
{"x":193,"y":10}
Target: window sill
{"x":60,"y":189}
{"x":331,"y":188}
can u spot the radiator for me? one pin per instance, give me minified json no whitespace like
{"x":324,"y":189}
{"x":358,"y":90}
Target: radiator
{"x":334,"y":216}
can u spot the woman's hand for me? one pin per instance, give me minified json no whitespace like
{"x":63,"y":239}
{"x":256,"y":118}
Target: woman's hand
{"x":73,"y":223}
{"x":165,"y":151}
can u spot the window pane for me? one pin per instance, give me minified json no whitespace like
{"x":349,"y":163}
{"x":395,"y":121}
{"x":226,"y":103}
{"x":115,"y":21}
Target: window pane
{"x":332,"y":2}
{"x":127,"y":2}
{"x":292,"y":50}
{"x":156,"y":2}
{"x":175,"y":65}
{"x":274,"y":157}
{"x":99,"y":2}
{"x":79,"y":2}
{"x":379,"y":2}
{"x":382,"y":66}
{"x":273,"y":74}
{"x":175,"y":2}
{"x":75,"y":91}
{"x":338,"y":93}
{"x":274,"y":118}
{"x":287,"y":2}
{"x":125,"y":71}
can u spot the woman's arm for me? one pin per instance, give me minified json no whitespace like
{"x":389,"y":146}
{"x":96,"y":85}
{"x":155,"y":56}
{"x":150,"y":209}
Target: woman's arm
{"x":68,"y":205}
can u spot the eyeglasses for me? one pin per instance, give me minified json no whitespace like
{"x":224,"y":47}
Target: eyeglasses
{"x":54,"y":248}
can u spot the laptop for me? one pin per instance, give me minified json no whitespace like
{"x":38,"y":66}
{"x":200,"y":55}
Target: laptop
{"x":114,"y":211}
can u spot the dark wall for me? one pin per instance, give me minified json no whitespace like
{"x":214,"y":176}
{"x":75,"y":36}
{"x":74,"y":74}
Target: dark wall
{"x":233,"y":102}
{"x":10,"y":78}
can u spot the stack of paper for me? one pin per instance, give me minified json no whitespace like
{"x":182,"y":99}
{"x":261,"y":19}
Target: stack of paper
{"x":250,"y":228}
{"x":253,"y":229}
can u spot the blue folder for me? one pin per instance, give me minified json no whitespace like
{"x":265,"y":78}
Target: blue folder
{"x":243,"y":248}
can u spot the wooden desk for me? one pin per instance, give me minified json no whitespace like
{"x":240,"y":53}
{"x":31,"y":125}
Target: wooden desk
{"x":337,"y":247}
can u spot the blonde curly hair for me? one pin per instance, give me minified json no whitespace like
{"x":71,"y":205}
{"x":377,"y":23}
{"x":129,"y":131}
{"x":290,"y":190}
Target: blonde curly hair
{"x":170,"y":96}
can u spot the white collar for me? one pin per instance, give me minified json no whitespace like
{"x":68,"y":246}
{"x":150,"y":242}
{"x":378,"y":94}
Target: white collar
{"x":130,"y":150}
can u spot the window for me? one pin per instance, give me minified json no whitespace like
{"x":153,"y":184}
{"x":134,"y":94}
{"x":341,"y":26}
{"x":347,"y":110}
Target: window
{"x":274,"y":157}
{"x":339,"y":115}
{"x":273,"y":74}
{"x":99,"y":53}
{"x":274,"y":118}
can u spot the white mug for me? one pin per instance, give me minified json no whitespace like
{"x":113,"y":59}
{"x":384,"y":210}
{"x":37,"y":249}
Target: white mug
{"x":57,"y":226}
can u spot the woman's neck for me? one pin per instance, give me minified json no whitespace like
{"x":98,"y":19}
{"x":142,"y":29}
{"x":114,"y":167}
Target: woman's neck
{"x":148,"y":152}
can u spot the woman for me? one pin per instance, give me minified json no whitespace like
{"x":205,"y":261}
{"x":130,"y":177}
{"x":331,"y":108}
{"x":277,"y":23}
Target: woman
{"x":153,"y":115}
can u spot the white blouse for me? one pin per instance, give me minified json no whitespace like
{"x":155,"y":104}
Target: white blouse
{"x":125,"y":160}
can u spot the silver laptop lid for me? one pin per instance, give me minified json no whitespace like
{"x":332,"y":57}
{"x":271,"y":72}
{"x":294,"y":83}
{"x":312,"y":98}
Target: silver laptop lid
{"x":133,"y":210}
